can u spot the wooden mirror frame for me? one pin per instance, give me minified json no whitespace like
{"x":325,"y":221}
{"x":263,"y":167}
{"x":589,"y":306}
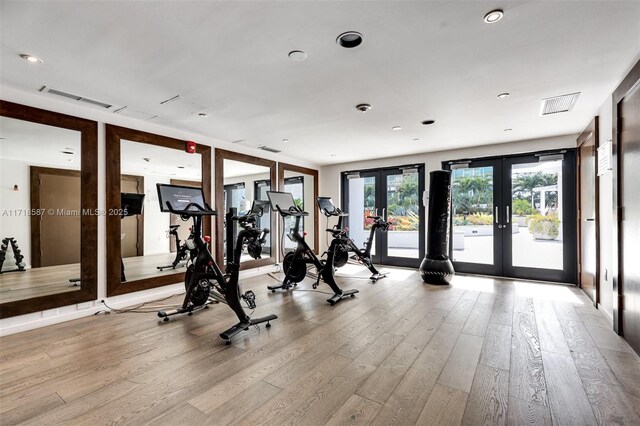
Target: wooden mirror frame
{"x":114,"y":136}
{"x":221,"y":155}
{"x":282,"y":167}
{"x":88,"y":200}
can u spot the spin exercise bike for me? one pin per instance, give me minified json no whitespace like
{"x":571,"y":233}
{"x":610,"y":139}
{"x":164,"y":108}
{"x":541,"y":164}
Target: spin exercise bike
{"x":295,"y":262}
{"x":205,"y":283}
{"x":182,"y":251}
{"x":345,"y":244}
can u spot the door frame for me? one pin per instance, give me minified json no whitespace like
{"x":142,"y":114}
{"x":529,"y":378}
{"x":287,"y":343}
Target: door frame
{"x":139,"y":180}
{"x":380,"y":238}
{"x":495,"y":269}
{"x":36,"y":237}
{"x":569,"y":256}
{"x":589,"y":132}
{"x":627,"y":85}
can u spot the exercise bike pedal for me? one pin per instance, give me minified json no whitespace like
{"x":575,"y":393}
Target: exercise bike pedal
{"x":250,"y":298}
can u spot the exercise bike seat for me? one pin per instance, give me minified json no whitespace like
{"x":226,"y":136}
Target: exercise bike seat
{"x":172,"y":227}
{"x":374,"y":217}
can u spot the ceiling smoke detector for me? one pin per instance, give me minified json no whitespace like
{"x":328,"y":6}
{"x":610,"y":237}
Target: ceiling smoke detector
{"x":349,"y":39}
{"x":363,"y":107}
{"x":556,"y":104}
{"x":297,"y":55}
{"x":396,"y":128}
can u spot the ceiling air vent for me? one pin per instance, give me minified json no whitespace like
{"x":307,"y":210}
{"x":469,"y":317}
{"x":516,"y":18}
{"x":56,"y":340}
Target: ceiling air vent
{"x":266,"y":148}
{"x":135,"y":113}
{"x":558,"y":104}
{"x":78,"y":98}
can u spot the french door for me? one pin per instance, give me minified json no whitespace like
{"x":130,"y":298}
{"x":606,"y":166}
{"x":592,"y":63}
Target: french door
{"x":395,"y":193}
{"x":515,"y":216}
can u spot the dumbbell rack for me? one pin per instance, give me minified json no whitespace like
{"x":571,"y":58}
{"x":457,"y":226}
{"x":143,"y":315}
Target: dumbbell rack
{"x":17,"y":254}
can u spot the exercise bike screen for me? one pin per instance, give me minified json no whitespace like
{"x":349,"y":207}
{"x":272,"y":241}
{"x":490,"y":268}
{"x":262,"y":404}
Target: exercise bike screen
{"x":179,"y":197}
{"x":325,"y":203}
{"x":259,"y":207}
{"x":282,"y":199}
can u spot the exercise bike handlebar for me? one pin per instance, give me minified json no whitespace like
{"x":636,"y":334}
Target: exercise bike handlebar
{"x":334,"y":212}
{"x":292,"y":211}
{"x":193,"y":209}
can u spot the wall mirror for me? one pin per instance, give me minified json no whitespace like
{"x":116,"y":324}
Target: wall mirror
{"x":48,"y":210}
{"x":241,"y":179}
{"x":302,"y":182}
{"x":143,"y":240}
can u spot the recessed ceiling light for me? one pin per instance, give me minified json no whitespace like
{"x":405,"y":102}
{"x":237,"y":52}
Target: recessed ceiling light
{"x":493,"y":16}
{"x":416,"y":140}
{"x":508,"y":130}
{"x":181,"y":167}
{"x":396,"y":128}
{"x":31,"y":59}
{"x":503,"y":95}
{"x":297,"y":55}
{"x":147,"y":159}
{"x":67,"y":152}
{"x":203,"y":115}
{"x":363,"y":107}
{"x":333,"y":155}
{"x":427,"y":122}
{"x":285,"y":140}
{"x":349,"y":39}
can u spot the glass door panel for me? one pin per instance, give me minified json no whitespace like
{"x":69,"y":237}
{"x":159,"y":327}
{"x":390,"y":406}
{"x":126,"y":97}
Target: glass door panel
{"x":260,"y":193}
{"x":393,"y":193}
{"x":536,"y":215}
{"x":473,"y":210}
{"x":361,"y":205}
{"x":294,"y":185}
{"x":403,"y":211}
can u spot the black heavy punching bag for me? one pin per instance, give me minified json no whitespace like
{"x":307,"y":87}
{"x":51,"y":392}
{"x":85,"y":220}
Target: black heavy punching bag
{"x":436,"y":268}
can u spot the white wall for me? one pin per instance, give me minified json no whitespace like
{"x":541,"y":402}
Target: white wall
{"x":15,"y":172}
{"x":156,"y":223}
{"x":65,"y":313}
{"x":17,"y":226}
{"x":606,"y":214}
{"x":330,"y":178}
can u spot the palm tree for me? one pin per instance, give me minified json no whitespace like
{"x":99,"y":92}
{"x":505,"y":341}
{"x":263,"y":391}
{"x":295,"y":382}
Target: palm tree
{"x":524,"y":183}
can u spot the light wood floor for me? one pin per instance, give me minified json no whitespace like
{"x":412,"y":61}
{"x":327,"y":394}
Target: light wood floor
{"x":481,"y":351}
{"x":35,"y":282}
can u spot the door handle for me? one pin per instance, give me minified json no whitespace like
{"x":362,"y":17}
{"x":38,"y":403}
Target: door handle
{"x":497,"y":218}
{"x":507,"y":218}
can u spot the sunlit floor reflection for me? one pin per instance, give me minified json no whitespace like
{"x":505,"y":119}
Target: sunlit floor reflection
{"x":535,"y":290}
{"x":553,"y":292}
{"x":355,"y":270}
{"x":467,"y":282}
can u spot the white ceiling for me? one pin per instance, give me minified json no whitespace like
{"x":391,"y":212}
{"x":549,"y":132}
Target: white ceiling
{"x":161,"y":161}
{"x":39,"y":144}
{"x":419,"y":60}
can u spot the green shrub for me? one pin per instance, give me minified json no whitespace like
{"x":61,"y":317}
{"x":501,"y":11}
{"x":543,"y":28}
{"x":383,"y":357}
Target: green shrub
{"x":480,"y":219}
{"x":545,"y":225}
{"x":523,"y":208}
